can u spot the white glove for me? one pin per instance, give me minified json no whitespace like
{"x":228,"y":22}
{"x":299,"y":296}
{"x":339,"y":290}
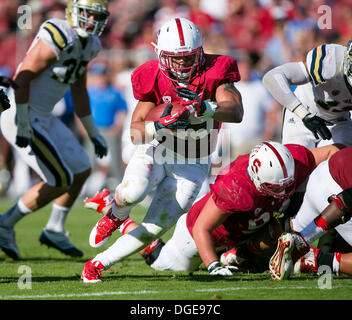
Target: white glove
{"x":232,"y":258}
{"x":215,"y":269}
{"x":25,"y":134}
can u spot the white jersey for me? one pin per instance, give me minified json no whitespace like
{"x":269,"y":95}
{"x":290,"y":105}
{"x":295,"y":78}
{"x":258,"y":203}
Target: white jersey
{"x":72,"y":58}
{"x":328,"y":95}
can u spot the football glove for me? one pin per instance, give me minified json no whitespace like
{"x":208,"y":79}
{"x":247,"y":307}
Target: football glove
{"x":171,"y":121}
{"x":215,"y":269}
{"x":233,"y":257}
{"x":193,"y":99}
{"x":202,"y":108}
{"x":317,"y":126}
{"x":100,"y":146}
{"x":7,"y":82}
{"x":4,"y":101}
{"x":25,"y":134}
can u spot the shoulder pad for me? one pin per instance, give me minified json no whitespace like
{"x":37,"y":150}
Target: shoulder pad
{"x":57,"y":35}
{"x":322,"y":63}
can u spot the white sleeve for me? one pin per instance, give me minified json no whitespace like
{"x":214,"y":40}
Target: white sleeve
{"x":53,"y":36}
{"x":279,"y":80}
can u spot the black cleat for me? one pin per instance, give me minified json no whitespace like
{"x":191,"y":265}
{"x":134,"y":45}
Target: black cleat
{"x":59,"y":241}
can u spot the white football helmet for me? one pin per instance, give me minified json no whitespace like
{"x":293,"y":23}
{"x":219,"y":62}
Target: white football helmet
{"x":179,"y":49}
{"x":347,"y":63}
{"x":272,"y":169}
{"x":78,"y":11}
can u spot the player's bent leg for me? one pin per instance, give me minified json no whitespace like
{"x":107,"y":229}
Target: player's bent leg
{"x":53,"y":235}
{"x":132,"y":190}
{"x":180,"y":253}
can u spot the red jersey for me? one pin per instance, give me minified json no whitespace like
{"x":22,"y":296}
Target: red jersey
{"x":236,"y":194}
{"x":340,"y":167}
{"x":150,"y":84}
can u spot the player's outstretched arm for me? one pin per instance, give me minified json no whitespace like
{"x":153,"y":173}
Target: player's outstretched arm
{"x":208,"y":220}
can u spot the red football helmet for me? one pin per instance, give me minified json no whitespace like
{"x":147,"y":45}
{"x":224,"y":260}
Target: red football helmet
{"x":179,"y":49}
{"x":272,"y":169}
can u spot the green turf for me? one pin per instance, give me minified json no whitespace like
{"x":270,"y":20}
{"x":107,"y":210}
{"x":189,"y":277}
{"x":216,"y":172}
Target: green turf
{"x":57,"y":277}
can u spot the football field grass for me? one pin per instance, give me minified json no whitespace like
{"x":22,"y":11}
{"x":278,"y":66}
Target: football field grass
{"x":46,"y":274}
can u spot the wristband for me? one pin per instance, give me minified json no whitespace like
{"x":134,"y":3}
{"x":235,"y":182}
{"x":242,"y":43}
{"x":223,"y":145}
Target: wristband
{"x":89,"y":125}
{"x":150,"y":131}
{"x":214,"y":265}
{"x":301,"y":111}
{"x":211,"y":107}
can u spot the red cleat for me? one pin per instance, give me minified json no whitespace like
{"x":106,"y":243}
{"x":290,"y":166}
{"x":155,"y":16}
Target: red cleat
{"x":102,"y":202}
{"x":103,"y":230}
{"x":92,"y":272}
{"x":151,"y":252}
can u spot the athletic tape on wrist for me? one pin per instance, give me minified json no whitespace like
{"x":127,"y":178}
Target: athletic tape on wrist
{"x":301,"y":111}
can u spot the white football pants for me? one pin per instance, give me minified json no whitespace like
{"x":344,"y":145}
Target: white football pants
{"x":320,"y":186}
{"x":294,"y":131}
{"x":176,"y":188}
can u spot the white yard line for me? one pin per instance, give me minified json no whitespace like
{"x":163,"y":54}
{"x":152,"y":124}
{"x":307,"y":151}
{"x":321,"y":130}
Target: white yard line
{"x":144,"y":292}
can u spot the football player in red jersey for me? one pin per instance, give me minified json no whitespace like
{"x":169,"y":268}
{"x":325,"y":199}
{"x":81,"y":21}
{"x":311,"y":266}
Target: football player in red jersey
{"x":327,"y":204}
{"x":202,"y":82}
{"x":240,"y":206}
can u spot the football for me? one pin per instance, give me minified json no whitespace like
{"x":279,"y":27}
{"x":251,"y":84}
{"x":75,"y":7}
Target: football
{"x":157,"y":111}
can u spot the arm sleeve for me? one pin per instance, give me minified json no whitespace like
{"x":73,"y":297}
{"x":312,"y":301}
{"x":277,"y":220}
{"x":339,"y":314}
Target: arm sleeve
{"x":279,"y":79}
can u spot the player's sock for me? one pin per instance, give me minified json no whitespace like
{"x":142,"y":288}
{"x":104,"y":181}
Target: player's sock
{"x":57,"y":218}
{"x":122,"y":228}
{"x":13,"y":215}
{"x":123,"y":247}
{"x":330,"y":259}
{"x":315,"y":229}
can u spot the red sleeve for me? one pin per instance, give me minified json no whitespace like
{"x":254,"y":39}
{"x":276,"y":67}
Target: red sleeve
{"x":143,"y":81}
{"x":304,"y":162}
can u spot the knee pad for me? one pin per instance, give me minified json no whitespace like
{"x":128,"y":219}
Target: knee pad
{"x":131,"y":191}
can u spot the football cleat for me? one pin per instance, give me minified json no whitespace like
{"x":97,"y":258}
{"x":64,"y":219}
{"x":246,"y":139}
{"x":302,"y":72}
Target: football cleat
{"x":152,"y":251}
{"x":8,"y":242}
{"x":103,"y":230}
{"x":231,"y":258}
{"x":59,"y":241}
{"x":308,"y":263}
{"x":290,"y":247}
{"x":102,"y":202}
{"x":92,"y":272}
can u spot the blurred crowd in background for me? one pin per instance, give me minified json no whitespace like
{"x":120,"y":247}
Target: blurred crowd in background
{"x":260,"y":34}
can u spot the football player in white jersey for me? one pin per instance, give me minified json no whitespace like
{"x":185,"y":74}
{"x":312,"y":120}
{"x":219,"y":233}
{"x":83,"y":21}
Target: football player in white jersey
{"x":318,"y":111}
{"x":55,"y":61}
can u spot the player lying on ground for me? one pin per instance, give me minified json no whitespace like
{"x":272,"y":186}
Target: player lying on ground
{"x":327,"y":204}
{"x":241,"y":204}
